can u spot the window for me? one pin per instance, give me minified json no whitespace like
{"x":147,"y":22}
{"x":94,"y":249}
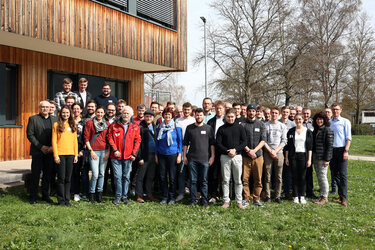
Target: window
{"x":117,"y":4}
{"x":8,"y":95}
{"x":119,"y":88}
{"x":162,"y":12}
{"x":369,"y":114}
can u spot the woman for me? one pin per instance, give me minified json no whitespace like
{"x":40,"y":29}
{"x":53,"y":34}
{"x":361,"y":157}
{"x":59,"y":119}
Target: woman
{"x":322,"y":153}
{"x":76,"y":184}
{"x":65,"y":152}
{"x":298,"y":152}
{"x":146,"y":169}
{"x":94,"y":136}
{"x":168,"y":149}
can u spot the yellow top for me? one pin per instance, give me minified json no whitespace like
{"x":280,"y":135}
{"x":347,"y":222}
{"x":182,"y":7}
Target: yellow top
{"x":64,"y":143}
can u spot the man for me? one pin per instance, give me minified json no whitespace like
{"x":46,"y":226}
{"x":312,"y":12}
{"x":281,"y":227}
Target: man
{"x":307,"y":122}
{"x":120,"y":107}
{"x":267,"y":115}
{"x":259,"y":114}
{"x":141,"y":108}
{"x":207,"y":107}
{"x":199,"y":137}
{"x":90,"y":109}
{"x":60,"y":96}
{"x":341,"y":143}
{"x":105,"y":98}
{"x":231,"y":140}
{"x":84,"y":95}
{"x":110,"y":113}
{"x":183,"y":122}
{"x":70,"y":100}
{"x":328,"y":113}
{"x":52,"y":109}
{"x":273,"y":156}
{"x":299,"y":109}
{"x":39,"y":133}
{"x":239,"y":118}
{"x":292,"y":113}
{"x":214,"y":171}
{"x":287,"y":171}
{"x":171,"y":105}
{"x":154,"y":106}
{"x":227,"y":106}
{"x":180,"y":112}
{"x":124,"y":140}
{"x":244,"y":110}
{"x":252,"y":155}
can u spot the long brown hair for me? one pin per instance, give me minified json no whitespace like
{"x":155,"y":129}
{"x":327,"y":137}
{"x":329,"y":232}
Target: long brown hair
{"x":71,"y":122}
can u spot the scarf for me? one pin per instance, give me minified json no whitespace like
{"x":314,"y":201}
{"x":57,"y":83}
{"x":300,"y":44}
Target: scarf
{"x":166,"y":128}
{"x":99,"y":126}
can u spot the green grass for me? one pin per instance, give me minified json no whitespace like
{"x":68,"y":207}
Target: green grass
{"x":289,"y":225}
{"x":363,"y":145}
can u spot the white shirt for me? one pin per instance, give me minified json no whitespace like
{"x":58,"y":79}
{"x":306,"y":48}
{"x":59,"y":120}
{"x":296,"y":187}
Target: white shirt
{"x":183,"y":123}
{"x":299,"y":141}
{"x":83,"y":96}
{"x":219,"y":123}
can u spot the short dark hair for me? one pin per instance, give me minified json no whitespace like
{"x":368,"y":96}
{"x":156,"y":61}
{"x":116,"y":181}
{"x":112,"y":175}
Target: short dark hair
{"x":121,"y":101}
{"x":106,"y":84}
{"x":199,"y":110}
{"x":236,"y":104}
{"x":230,"y":111}
{"x":109,"y":104}
{"x":323,"y":116}
{"x":276,"y":108}
{"x":187,"y":105}
{"x":207,"y":98}
{"x":171,"y":103}
{"x":284,"y":108}
{"x":141,"y":106}
{"x":70,"y":97}
{"x":77,"y":103}
{"x":92,"y":101}
{"x":336,"y":104}
{"x":100,"y":107}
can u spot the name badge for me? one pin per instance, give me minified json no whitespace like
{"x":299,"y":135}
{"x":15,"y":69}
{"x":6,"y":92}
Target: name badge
{"x":69,"y":129}
{"x":203,"y":132}
{"x":257,"y":130}
{"x":290,"y":136}
{"x":110,"y":101}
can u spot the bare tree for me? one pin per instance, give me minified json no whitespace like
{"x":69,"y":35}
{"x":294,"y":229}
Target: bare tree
{"x":361,"y":82}
{"x":327,"y":21}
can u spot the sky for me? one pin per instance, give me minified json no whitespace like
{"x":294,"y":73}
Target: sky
{"x":193,"y":79}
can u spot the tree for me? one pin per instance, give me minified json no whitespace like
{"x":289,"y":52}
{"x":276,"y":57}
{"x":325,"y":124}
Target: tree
{"x":360,"y":86}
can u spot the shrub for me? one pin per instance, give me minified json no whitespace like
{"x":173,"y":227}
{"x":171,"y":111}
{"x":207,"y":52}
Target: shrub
{"x":362,"y":129}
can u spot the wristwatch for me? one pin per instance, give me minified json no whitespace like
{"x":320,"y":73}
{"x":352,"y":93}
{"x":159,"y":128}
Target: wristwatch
{"x":346,"y":151}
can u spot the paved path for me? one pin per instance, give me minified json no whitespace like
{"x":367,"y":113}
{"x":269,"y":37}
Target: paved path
{"x":362,"y":158}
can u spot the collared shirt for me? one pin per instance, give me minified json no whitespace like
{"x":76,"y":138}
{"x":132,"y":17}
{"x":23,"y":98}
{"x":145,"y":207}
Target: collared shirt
{"x":309,"y":125}
{"x":289,"y":124}
{"x":84,"y":97}
{"x":60,"y":98}
{"x":219,"y":123}
{"x":342,"y":130}
{"x":208,"y":116}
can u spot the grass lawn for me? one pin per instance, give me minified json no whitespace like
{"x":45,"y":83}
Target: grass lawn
{"x":152,"y":225}
{"x":363,"y":145}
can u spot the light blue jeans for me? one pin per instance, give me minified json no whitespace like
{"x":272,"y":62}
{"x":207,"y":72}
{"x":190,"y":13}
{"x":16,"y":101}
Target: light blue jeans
{"x":121,"y":173}
{"x":98,"y":168}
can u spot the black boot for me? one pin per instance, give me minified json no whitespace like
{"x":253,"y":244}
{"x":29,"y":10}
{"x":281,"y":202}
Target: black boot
{"x":100,"y":197}
{"x":91,"y":198}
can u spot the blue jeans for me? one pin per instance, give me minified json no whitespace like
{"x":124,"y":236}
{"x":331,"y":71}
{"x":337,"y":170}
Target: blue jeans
{"x":198,"y":175}
{"x":97,"y":168}
{"x":121,"y":173}
{"x":168,"y":166}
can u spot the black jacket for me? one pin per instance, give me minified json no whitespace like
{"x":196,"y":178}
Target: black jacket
{"x":212,"y":122}
{"x":290,"y":146}
{"x":36,"y":134}
{"x":255,"y":133}
{"x":143,"y":149}
{"x":323,"y":143}
{"x":88,"y":98}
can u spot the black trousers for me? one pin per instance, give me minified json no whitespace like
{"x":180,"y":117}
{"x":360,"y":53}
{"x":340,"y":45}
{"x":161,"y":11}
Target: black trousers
{"x":76,"y":176}
{"x":108,"y":173}
{"x":41,"y":163}
{"x":340,"y":168}
{"x":309,"y":181}
{"x":145,"y":176}
{"x":64,"y":174}
{"x":214,"y":175}
{"x":298,"y":166}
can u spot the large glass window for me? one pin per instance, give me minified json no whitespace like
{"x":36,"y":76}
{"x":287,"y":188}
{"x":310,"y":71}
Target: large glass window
{"x":8,"y":94}
{"x":55,"y":78}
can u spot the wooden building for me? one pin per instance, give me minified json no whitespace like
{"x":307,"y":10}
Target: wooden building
{"x":115,"y":41}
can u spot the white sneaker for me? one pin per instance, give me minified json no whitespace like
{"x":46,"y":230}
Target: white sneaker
{"x":212,"y":201}
{"x":295,"y":200}
{"x":302,"y":200}
{"x":76,"y":197}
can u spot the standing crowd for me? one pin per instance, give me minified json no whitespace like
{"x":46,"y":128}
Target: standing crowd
{"x":221,"y":151}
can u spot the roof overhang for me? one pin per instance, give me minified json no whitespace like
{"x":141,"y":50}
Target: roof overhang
{"x":35,"y":44}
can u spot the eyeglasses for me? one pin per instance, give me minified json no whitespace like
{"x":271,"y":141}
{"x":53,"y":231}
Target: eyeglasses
{"x":111,"y":110}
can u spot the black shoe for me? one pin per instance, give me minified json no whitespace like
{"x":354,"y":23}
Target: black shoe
{"x":126,"y":201}
{"x":68,"y":204}
{"x":91,"y":198}
{"x":205,"y":205}
{"x":267,"y":200}
{"x":100,"y":197}
{"x":116,"y":201}
{"x":62,"y":204}
{"x":192,"y":204}
{"x":48,"y":200}
{"x":312,"y":196}
{"x":278,"y":200}
{"x":32,"y":202}
{"x":333,"y":191}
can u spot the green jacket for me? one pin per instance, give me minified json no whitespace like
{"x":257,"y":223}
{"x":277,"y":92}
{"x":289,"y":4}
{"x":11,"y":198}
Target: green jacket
{"x":36,"y":135}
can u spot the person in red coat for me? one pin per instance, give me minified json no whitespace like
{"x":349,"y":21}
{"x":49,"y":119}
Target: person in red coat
{"x":124,"y":139}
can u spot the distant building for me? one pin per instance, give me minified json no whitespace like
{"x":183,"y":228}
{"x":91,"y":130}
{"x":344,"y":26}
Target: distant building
{"x":368,"y":116}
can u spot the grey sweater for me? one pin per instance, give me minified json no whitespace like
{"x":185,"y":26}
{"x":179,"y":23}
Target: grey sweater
{"x":276,"y":134}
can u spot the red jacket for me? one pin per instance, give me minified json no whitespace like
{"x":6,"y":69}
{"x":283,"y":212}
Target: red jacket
{"x":115,"y":137}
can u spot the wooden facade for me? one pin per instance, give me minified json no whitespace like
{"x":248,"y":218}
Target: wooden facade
{"x":88,"y":26}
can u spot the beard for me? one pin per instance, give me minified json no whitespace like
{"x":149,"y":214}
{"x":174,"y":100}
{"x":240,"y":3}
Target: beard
{"x":126,"y":119}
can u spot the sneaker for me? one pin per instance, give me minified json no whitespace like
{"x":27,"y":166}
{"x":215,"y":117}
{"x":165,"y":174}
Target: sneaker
{"x":333,"y":191}
{"x":295,"y":200}
{"x":278,"y":200}
{"x":126,"y":201}
{"x":132,"y":192}
{"x":171,"y":202}
{"x":140,"y":199}
{"x":258,"y":204}
{"x":240,"y":206}
{"x":302,"y":200}
{"x":187,"y":191}
{"x":179,"y":197}
{"x":68,"y":204}
{"x":212,"y":200}
{"x":32,"y":202}
{"x":225,"y":205}
{"x":116,"y":201}
{"x":192,"y":204}
{"x":267,"y":200}
{"x":205,"y":205}
{"x":321,"y":201}
{"x":163,"y":202}
{"x":77,"y":197}
{"x":245,"y":203}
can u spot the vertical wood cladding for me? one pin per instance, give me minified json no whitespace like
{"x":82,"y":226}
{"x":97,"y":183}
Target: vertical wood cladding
{"x":89,"y":25}
{"x":32,"y":86}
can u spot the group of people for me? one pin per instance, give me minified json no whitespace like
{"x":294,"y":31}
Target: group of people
{"x":184,"y":150}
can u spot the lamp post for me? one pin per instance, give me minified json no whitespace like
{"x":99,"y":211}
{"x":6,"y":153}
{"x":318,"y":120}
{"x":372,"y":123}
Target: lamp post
{"x":205,"y":57}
